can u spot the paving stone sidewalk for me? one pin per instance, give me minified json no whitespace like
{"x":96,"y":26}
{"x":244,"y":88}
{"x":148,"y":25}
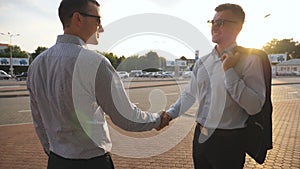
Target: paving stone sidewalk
{"x":20,"y":147}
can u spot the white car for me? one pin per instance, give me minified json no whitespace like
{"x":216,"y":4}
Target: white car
{"x":187,"y":74}
{"x":123,"y":74}
{"x":296,"y":73}
{"x":135,"y":73}
{"x":4,"y":75}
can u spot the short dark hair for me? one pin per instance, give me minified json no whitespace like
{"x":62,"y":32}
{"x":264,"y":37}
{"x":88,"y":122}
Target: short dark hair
{"x":234,"y":8}
{"x":68,"y":7}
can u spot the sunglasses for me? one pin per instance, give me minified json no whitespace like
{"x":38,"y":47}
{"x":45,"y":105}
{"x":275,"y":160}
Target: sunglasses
{"x":93,"y":16}
{"x":98,"y":18}
{"x":219,"y":22}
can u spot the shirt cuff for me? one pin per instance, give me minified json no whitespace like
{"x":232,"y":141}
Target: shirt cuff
{"x":231,"y":78}
{"x":156,"y":116}
{"x":171,"y":111}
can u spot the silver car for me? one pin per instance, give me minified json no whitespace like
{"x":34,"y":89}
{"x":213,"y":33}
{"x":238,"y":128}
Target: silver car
{"x":4,"y":75}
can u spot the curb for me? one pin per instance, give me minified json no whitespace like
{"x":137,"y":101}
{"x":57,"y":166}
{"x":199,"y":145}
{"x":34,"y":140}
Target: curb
{"x":292,"y":83}
{"x":27,"y":94}
{"x":133,"y":87}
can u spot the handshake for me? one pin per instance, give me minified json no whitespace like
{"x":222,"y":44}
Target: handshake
{"x":165,"y":118}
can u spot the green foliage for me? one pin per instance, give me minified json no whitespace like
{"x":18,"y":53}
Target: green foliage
{"x":135,"y":62}
{"x":112,"y":58}
{"x":150,"y":60}
{"x":120,"y":60}
{"x":16,"y":52}
{"x":282,"y":46}
{"x":38,"y":51}
{"x":130,"y":63}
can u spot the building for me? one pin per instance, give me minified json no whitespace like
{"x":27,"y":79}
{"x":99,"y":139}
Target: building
{"x":3,"y":46}
{"x":289,"y":67}
{"x":276,"y":59}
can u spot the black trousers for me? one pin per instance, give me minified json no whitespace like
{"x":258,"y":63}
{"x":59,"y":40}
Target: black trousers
{"x":224,"y":149}
{"x":102,"y":162}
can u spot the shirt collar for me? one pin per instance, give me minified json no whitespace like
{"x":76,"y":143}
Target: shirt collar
{"x":67,"y":38}
{"x":214,"y":52}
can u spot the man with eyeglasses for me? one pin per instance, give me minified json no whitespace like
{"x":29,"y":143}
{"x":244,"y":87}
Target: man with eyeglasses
{"x":228,"y":87}
{"x":72,"y":89}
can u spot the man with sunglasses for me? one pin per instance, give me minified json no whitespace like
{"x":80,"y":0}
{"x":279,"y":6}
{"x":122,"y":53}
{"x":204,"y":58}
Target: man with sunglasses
{"x":72,"y":89}
{"x":229,"y":87}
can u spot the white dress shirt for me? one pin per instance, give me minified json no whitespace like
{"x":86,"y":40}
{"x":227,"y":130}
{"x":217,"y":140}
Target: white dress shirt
{"x":226,"y":99}
{"x":71,"y":89}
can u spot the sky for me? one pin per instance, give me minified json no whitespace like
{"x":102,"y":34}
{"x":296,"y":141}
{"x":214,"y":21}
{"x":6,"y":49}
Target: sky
{"x":174,"y":28}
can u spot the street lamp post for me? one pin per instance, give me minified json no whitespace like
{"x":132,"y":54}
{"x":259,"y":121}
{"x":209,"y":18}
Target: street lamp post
{"x":10,"y":35}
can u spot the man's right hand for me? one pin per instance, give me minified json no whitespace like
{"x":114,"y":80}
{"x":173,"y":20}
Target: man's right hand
{"x":230,"y":60}
{"x":165,"y":118}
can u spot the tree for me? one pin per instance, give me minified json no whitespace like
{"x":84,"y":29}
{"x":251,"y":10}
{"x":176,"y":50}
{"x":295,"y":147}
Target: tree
{"x":16,"y":52}
{"x":162,"y":62}
{"x":112,"y":58}
{"x":120,"y":60}
{"x":149,"y":60}
{"x":38,"y":51}
{"x":129,"y":63}
{"x":282,"y":46}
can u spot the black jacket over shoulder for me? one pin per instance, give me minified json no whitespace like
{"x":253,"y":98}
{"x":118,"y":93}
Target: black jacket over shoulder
{"x":259,"y":126}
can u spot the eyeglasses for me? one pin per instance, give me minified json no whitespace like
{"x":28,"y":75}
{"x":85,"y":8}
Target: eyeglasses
{"x":219,"y":22}
{"x":93,"y":16}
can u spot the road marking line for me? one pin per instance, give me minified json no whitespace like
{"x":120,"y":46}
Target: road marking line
{"x":170,"y":94}
{"x":16,"y":124}
{"x":9,"y":86}
{"x":24,"y":111}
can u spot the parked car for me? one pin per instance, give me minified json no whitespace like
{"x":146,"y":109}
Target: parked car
{"x":4,"y":61}
{"x":4,"y":75}
{"x":157,"y":74}
{"x":22,"y":76}
{"x":123,"y":74}
{"x":135,"y":73}
{"x":146,"y":74}
{"x":187,"y":74}
{"x":23,"y":62}
{"x":167,"y":75}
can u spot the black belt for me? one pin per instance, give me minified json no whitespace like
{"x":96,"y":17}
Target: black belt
{"x":101,"y":156}
{"x":208,"y":131}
